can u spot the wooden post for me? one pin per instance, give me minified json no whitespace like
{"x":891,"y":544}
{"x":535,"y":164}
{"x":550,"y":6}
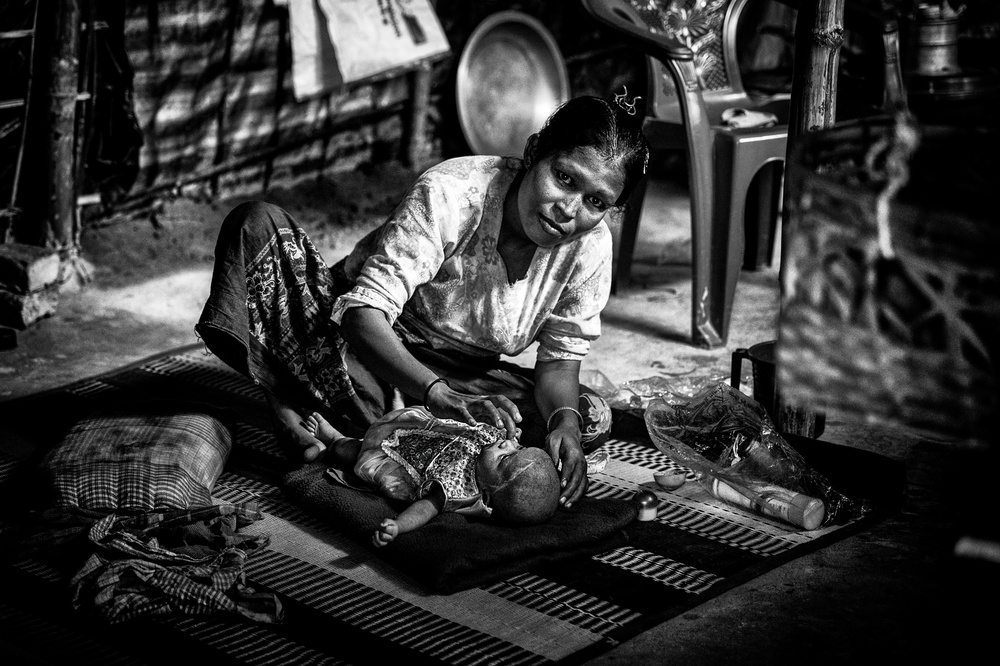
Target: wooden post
{"x":60,"y":230}
{"x":819,"y":33}
{"x":61,"y":226}
{"x":420,"y":92}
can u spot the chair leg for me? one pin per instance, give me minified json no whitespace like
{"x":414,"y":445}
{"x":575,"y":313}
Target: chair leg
{"x":737,"y":164}
{"x":729,"y":249}
{"x":705,"y":314}
{"x":762,"y":207}
{"x":622,"y":273}
{"x":731,"y":186}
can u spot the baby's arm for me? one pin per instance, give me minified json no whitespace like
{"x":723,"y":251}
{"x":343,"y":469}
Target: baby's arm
{"x":414,"y":516}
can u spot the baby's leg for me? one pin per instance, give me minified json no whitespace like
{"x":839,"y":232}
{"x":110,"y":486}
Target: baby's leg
{"x":343,"y":450}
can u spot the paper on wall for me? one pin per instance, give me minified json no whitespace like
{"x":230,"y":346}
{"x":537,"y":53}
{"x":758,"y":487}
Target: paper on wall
{"x":336,"y":42}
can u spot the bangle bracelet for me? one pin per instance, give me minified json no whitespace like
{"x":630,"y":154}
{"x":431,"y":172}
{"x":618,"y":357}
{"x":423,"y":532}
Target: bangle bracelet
{"x":548,"y":425}
{"x":427,"y":391}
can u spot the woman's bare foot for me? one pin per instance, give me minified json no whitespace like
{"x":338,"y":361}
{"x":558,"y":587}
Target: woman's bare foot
{"x":321,"y":429}
{"x":292,"y":431}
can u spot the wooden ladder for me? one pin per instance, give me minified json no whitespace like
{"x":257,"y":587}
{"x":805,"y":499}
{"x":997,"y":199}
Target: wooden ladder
{"x":64,"y":131}
{"x":22,"y":103}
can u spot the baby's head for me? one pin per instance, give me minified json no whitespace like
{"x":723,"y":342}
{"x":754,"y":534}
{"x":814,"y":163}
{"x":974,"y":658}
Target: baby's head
{"x":520,"y":485}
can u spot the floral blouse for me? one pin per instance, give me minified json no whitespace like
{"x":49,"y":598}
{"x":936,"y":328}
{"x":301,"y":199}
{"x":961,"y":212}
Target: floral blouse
{"x":434,"y":265}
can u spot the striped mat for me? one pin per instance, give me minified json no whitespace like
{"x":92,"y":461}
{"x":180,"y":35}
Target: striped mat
{"x":345,"y":606}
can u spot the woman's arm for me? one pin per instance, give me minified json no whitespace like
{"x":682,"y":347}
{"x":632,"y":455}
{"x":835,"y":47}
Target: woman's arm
{"x":416,"y":515}
{"x":371,"y":337}
{"x":557,"y":384}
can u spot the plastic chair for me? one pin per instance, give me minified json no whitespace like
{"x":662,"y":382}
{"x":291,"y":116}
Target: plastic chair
{"x":693,"y":77}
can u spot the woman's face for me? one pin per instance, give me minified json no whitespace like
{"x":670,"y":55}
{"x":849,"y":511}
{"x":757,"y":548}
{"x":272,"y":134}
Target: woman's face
{"x":565,"y":195}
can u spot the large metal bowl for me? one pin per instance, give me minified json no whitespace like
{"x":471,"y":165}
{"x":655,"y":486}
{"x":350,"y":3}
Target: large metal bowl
{"x":511,"y":76}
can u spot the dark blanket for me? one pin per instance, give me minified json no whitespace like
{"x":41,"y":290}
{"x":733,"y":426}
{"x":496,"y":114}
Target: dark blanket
{"x":453,"y":552}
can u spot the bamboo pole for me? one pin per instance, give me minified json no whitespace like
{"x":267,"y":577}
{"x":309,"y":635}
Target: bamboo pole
{"x":819,"y":33}
{"x":60,"y":224}
{"x":420,"y":92}
{"x":61,"y":227}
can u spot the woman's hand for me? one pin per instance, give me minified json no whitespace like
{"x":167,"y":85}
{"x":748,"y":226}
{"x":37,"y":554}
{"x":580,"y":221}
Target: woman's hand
{"x":563,"y":445}
{"x":497,"y":410}
{"x":557,"y":393}
{"x":372,"y":339}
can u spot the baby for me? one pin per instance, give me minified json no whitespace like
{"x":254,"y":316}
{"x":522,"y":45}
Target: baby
{"x":444,"y":465}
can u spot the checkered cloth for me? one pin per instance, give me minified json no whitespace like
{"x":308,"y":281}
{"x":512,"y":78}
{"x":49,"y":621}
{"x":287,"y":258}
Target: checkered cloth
{"x":168,"y":562}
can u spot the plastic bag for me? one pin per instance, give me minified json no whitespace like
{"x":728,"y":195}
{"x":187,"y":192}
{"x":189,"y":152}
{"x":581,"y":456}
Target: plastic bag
{"x":730,"y":444}
{"x":636,"y":394}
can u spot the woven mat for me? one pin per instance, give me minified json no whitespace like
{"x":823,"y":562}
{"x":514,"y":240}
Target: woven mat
{"x":344,"y":605}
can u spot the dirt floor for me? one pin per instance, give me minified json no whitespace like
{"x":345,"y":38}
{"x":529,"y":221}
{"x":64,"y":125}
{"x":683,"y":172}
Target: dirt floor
{"x":151,"y":273}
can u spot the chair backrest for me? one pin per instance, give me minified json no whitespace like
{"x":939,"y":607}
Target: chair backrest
{"x":708,"y":28}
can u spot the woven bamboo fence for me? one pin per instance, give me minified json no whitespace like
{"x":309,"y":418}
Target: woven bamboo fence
{"x":891,"y":300}
{"x":213,"y":86}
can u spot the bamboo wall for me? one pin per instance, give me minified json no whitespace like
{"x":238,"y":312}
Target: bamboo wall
{"x":894,"y":318}
{"x":213,"y":85}
{"x":212,"y":99}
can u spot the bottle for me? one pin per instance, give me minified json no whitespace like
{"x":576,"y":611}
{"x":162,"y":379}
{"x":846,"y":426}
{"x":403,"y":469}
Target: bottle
{"x":647,"y":504}
{"x":774,"y":501}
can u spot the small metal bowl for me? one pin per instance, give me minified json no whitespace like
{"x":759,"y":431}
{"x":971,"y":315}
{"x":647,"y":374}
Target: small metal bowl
{"x":671,"y":480}
{"x":510,"y":78}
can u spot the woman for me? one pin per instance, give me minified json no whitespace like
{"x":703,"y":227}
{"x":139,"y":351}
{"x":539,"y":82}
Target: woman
{"x":484,"y":256}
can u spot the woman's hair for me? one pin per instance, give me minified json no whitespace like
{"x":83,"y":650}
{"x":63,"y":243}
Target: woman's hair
{"x":612,"y":127}
{"x":529,"y":493}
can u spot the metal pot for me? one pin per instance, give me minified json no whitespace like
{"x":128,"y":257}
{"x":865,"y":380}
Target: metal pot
{"x":511,"y":77}
{"x":937,"y":47}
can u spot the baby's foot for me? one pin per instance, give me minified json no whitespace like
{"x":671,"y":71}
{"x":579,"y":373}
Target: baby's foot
{"x":311,"y":423}
{"x":321,"y":429}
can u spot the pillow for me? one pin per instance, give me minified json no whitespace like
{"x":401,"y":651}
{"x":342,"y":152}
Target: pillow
{"x":139,"y":457}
